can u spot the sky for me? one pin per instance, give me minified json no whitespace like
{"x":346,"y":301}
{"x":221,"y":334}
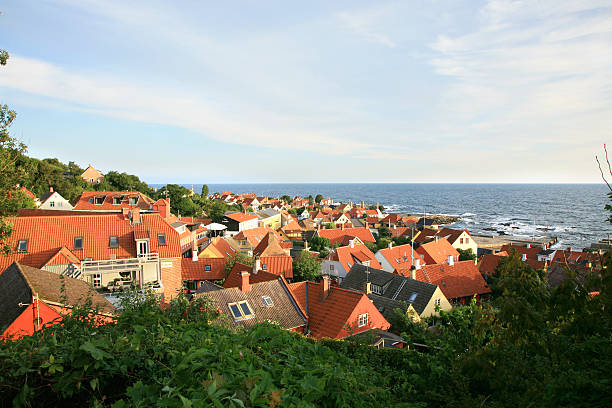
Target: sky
{"x":315,"y":91}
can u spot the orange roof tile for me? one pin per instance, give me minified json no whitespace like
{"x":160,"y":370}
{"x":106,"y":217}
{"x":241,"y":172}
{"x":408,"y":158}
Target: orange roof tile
{"x":400,"y":257}
{"x":269,"y":246}
{"x":337,"y":235}
{"x":87,"y":201}
{"x":203,"y":269}
{"x":221,"y":248}
{"x":235,"y":276}
{"x":437,"y":252}
{"x":348,"y":256}
{"x":459,"y":280}
{"x":241,"y":217}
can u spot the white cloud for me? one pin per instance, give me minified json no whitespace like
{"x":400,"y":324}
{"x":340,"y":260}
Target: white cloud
{"x":369,"y":24}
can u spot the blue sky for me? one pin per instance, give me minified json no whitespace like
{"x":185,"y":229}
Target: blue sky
{"x":344,"y":91}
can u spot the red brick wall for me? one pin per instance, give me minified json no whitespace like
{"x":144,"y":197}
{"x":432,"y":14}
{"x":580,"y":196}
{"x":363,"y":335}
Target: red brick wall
{"x":171,"y":278}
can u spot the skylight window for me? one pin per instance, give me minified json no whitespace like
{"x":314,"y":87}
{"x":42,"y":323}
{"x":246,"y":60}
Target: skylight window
{"x":22,"y":246}
{"x":161,"y":239}
{"x":241,"y":310}
{"x":267,"y":300}
{"x":412,"y":297}
{"x":207,"y":268}
{"x":78,"y":242}
{"x":113,"y":241}
{"x":377,"y":289}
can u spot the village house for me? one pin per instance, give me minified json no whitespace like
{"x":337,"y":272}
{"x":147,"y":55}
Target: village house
{"x":109,"y":251}
{"x":340,"y":235}
{"x":398,"y":259}
{"x":334,"y":312}
{"x":270,"y":257}
{"x":459,"y":239}
{"x":269,"y":218}
{"x":31,"y":299}
{"x":259,"y":302}
{"x":237,"y":222}
{"x":246,"y":241}
{"x":293,"y":230}
{"x":437,"y":251}
{"x":256,"y":275}
{"x":340,"y":260}
{"x":389,"y":291}
{"x":92,"y":176}
{"x":116,"y":201}
{"x":52,"y":200}
{"x":459,"y":281}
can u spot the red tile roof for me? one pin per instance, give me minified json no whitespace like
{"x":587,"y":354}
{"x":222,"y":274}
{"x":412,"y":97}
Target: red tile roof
{"x":337,"y":235}
{"x":532,"y":253}
{"x":269,"y":246}
{"x":348,"y":256}
{"x":197,"y":270}
{"x":336,"y":316}
{"x":400,"y":257}
{"x":292,"y":226}
{"x":255,"y":235}
{"x":463,"y":279}
{"x":278,"y":265}
{"x":87,"y":201}
{"x":241,"y":217}
{"x":235,"y":276}
{"x":221,"y":248}
{"x":437,"y":252}
{"x":488,"y":264}
{"x":47,"y":234}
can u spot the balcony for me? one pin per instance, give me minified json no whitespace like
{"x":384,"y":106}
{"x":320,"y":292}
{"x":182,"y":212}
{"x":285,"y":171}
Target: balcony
{"x":114,"y":275}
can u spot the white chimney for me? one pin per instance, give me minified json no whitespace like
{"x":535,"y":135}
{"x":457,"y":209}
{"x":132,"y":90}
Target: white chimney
{"x":524,"y":258}
{"x":451,"y":260}
{"x":417,"y":263}
{"x":352,"y":243}
{"x":256,"y":265}
{"x":390,"y":245}
{"x":194,"y":251}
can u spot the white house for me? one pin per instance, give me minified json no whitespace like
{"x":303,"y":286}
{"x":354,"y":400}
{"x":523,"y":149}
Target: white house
{"x":54,"y":201}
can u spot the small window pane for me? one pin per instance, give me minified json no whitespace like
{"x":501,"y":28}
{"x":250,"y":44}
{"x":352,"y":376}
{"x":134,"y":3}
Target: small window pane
{"x":114,"y":241}
{"x":235,"y":311}
{"x":207,"y":268}
{"x":245,"y":309}
{"x":78,"y":243}
{"x":23,"y":245}
{"x":161,"y":239}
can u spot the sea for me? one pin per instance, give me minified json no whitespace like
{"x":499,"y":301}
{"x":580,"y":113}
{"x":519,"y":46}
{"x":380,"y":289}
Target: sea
{"x":574,"y":213}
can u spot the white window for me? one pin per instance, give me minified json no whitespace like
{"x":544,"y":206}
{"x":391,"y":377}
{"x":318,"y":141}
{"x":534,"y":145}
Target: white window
{"x":133,"y":200}
{"x":437,"y":302}
{"x":267,"y":300}
{"x":412,"y":297}
{"x":264,"y":267}
{"x":51,"y":204}
{"x":97,"y":280}
{"x":241,"y":310}
{"x":99,"y":200}
{"x":363,"y":319}
{"x":22,"y":246}
{"x":331,"y":267}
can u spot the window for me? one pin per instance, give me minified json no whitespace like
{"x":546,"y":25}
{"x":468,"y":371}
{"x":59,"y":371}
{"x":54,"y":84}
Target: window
{"x":117,"y":200}
{"x":267,"y":300}
{"x":99,"y":200}
{"x":51,"y":204}
{"x":363,"y":319}
{"x":207,"y":268}
{"x":97,"y":280}
{"x":437,"y":302}
{"x":377,"y":289}
{"x":331,"y":267}
{"x":22,"y":246}
{"x":264,"y":267}
{"x":114,"y":241}
{"x":161,"y":239}
{"x":133,"y":200}
{"x":412,"y":297}
{"x":78,"y":242}
{"x":241,"y":310}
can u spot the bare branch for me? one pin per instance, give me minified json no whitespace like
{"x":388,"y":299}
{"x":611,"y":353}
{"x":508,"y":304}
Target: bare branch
{"x":609,"y":168}
{"x":602,"y":175}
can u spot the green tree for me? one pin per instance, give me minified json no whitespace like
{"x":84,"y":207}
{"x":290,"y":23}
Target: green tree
{"x":318,"y":198}
{"x":466,"y":254}
{"x":238,"y":257}
{"x":286,"y":199}
{"x":318,"y":244}
{"x":306,"y":267}
{"x":384,"y":232}
{"x":204,"y":193}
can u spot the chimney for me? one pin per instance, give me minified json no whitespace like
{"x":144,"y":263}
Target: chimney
{"x":451,"y":260}
{"x":377,"y":205}
{"x":417,"y":263}
{"x":50,"y":189}
{"x":324,"y":287}
{"x":390,"y":244}
{"x":352,"y":243}
{"x":367,"y":288}
{"x":136,"y":218}
{"x":342,"y":225}
{"x":256,"y":265}
{"x":528,"y":245}
{"x":394,"y":226}
{"x":125,"y":212}
{"x":245,"y":285}
{"x":524,"y":257}
{"x":363,"y":204}
{"x":194,"y":251}
{"x":413,"y":272}
{"x":306,"y":247}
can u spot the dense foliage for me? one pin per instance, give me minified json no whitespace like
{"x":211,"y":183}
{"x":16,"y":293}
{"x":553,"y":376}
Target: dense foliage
{"x":306,"y":267}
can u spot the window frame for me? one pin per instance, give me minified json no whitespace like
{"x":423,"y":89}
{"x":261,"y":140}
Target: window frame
{"x":110,"y":241}
{"x":377,"y":289}
{"x":240,"y":305}
{"x":26,"y":241}
{"x":363,"y":319}
{"x":267,"y":301}
{"x":162,"y":235}
{"x":102,"y":198}
{"x":96,"y":280}
{"x":75,"y":243}
{"x":438,"y":302}
{"x":208,"y":268}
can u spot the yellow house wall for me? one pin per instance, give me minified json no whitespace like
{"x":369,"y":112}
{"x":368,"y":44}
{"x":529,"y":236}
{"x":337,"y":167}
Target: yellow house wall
{"x":430,"y":309}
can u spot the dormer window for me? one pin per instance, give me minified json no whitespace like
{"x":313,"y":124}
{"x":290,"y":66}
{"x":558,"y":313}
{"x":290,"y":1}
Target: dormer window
{"x":99,"y":200}
{"x":22,"y":246}
{"x":207,"y":268}
{"x":133,"y":200}
{"x":78,"y":243}
{"x":117,"y":200}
